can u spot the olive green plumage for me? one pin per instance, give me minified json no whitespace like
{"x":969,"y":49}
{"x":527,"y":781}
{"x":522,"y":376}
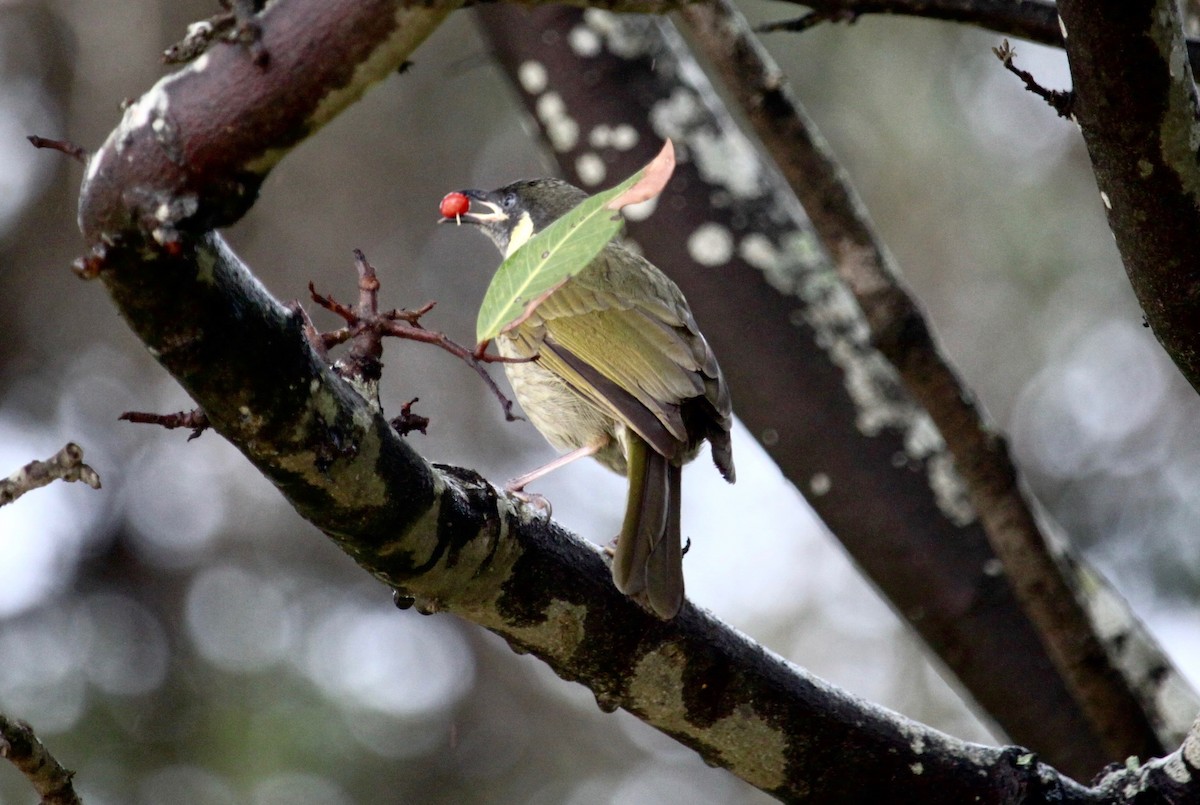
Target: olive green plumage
{"x":621,"y":368}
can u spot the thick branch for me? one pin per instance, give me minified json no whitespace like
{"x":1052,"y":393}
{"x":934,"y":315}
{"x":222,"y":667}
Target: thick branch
{"x":1136,"y":104}
{"x":899,"y":330}
{"x":192,"y":152}
{"x":452,"y":541}
{"x":443,"y":535}
{"x":831,"y":411}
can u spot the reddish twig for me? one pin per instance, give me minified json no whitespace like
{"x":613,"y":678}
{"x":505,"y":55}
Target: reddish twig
{"x":1061,"y":101}
{"x":76,"y":152}
{"x":407,"y":422}
{"x":365,"y":326}
{"x":195,"y":419}
{"x":65,"y":465}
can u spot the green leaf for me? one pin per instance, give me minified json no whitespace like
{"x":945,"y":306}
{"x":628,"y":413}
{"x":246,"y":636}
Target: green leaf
{"x":563,"y":249}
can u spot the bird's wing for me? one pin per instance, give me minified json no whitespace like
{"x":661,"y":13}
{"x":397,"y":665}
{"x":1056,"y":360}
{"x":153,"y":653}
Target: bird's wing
{"x":627,"y":343}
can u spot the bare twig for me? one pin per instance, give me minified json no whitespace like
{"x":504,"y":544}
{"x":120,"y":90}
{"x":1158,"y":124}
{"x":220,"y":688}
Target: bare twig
{"x":76,"y":152}
{"x":365,"y":326}
{"x":1028,"y":19}
{"x":1034,"y":20}
{"x":195,"y":419}
{"x":49,"y":779}
{"x":407,"y":422}
{"x":1061,"y":101}
{"x":900,"y":332}
{"x":477,"y":361}
{"x":65,"y":465}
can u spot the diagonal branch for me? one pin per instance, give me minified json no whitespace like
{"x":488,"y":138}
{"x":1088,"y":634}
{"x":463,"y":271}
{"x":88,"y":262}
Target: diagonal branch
{"x":899,"y":330}
{"x":21,"y":747}
{"x":451,"y":541}
{"x":454,"y":543}
{"x":442,"y":535}
{"x":831,"y":412}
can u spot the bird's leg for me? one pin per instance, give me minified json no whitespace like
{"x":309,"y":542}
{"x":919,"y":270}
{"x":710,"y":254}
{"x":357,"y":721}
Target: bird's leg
{"x":516,"y":487}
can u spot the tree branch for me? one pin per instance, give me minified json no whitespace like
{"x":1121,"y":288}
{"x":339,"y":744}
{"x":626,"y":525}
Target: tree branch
{"x":65,"y":465}
{"x":192,"y":152}
{"x":832,"y":411}
{"x":1035,"y":20}
{"x":441,"y":535}
{"x":900,"y":332}
{"x":1135,"y":101}
{"x":455,"y":543}
{"x":20,"y":746}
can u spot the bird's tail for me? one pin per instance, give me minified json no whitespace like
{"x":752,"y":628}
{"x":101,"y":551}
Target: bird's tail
{"x":648,"y":562}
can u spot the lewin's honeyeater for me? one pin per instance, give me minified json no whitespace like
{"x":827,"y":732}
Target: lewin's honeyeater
{"x":622,"y":373}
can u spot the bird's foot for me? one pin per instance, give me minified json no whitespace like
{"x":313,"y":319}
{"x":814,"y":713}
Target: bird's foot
{"x":539,"y":502}
{"x":610,"y":550}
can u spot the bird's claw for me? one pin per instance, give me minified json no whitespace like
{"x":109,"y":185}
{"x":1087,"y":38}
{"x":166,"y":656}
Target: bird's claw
{"x":539,"y":502}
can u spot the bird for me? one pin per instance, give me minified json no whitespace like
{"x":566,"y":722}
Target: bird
{"x":614,"y":367}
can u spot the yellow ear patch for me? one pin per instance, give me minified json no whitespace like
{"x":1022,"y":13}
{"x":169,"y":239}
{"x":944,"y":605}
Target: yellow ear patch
{"x":522,"y":232}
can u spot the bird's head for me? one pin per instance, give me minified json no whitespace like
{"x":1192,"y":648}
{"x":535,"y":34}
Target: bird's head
{"x":511,"y":214}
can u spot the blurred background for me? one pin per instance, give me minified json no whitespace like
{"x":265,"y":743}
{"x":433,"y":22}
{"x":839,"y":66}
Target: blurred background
{"x":182,"y":635}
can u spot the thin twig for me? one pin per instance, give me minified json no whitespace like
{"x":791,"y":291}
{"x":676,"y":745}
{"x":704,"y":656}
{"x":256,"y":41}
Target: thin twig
{"x":809,"y":20}
{"x":65,"y":465}
{"x":76,"y":152}
{"x":1061,"y":101}
{"x":1034,"y":20}
{"x":365,"y":319}
{"x":49,"y":779}
{"x":195,"y":419}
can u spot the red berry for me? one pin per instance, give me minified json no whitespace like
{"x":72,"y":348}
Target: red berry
{"x":454,"y":205}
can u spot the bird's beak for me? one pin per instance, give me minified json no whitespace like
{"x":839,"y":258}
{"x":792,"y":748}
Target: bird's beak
{"x":481,"y":211}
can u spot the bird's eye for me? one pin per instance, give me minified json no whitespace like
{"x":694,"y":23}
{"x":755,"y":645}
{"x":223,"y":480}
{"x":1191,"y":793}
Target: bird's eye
{"x":510,"y":200}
